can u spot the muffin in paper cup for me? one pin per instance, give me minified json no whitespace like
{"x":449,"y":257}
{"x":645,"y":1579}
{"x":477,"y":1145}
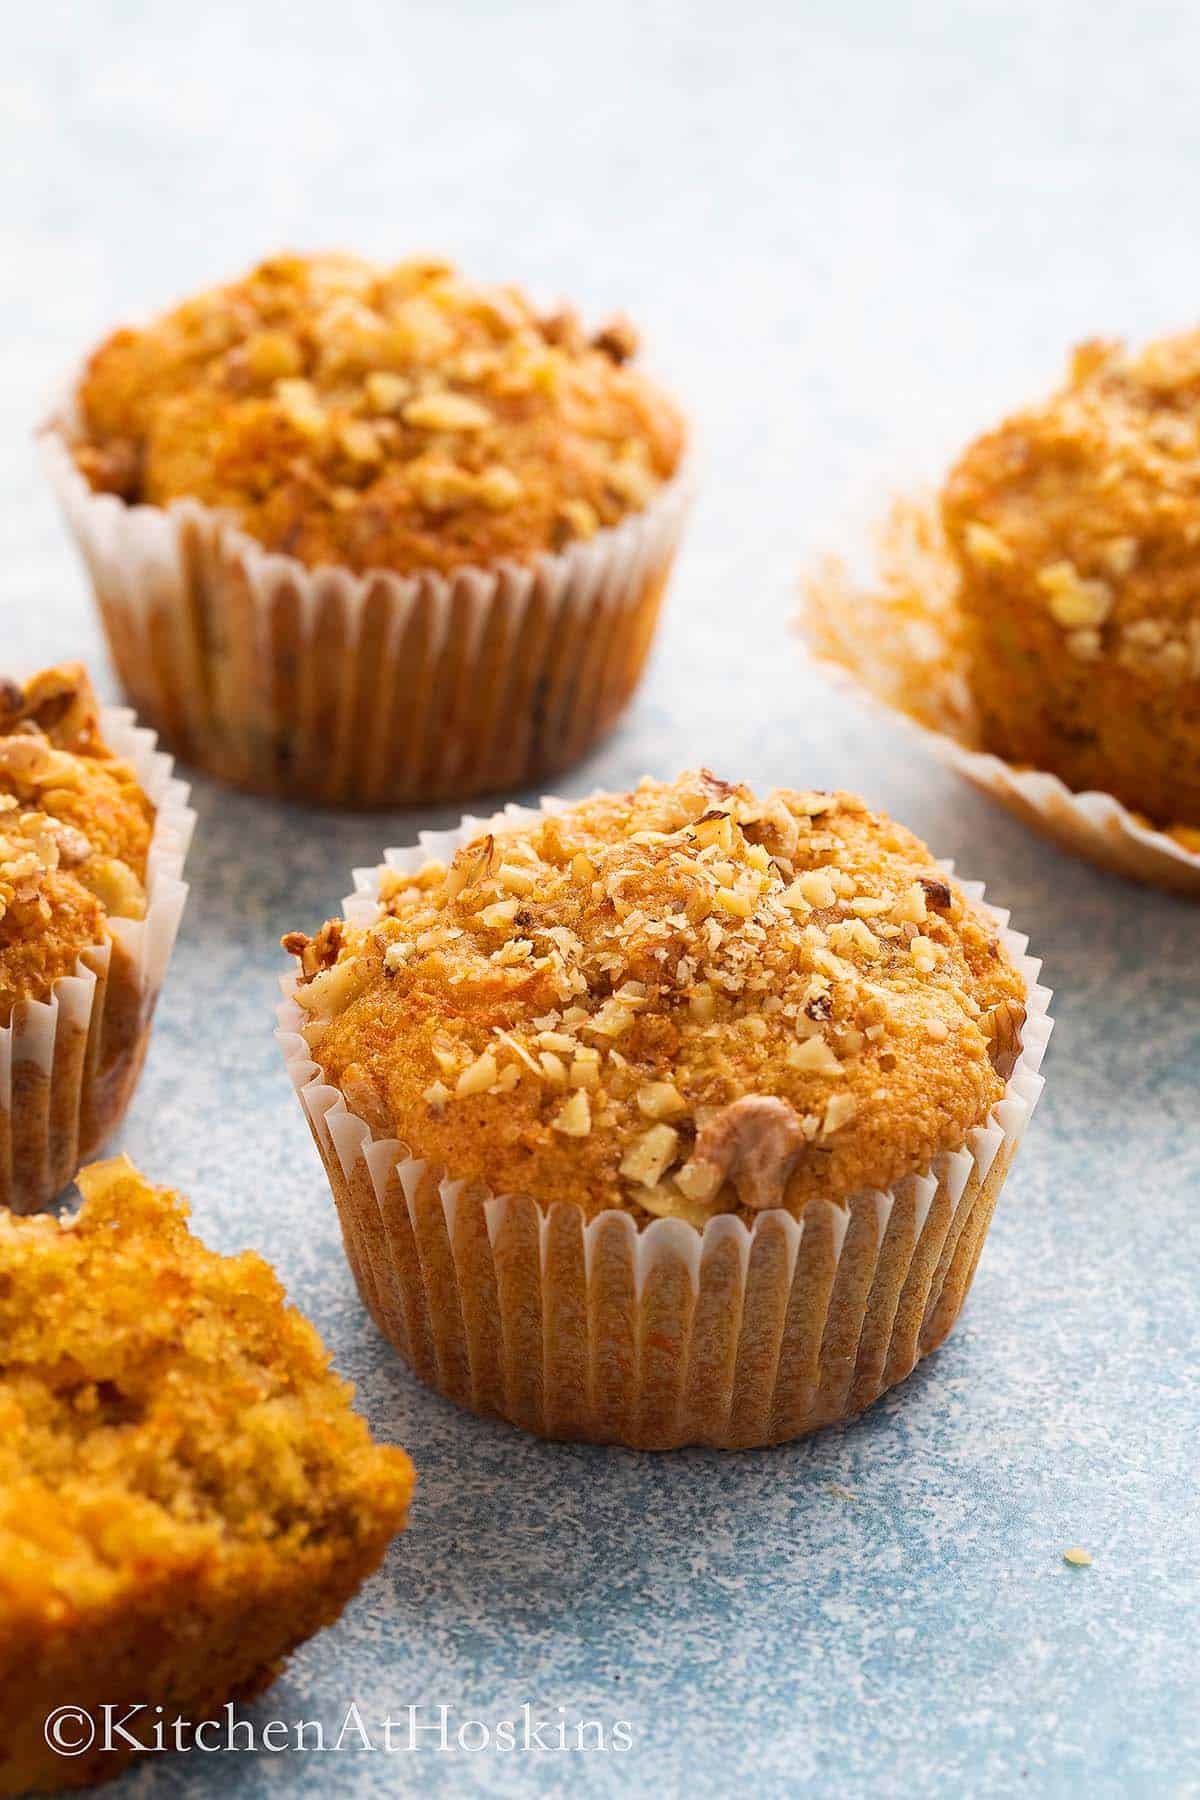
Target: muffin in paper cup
{"x":1037,"y":618}
{"x":892,"y":644}
{"x":372,"y":537}
{"x":726,"y":1296}
{"x":85,"y":938}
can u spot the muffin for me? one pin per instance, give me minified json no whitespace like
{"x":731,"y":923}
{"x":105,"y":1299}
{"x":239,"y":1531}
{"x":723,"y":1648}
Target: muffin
{"x":93,"y":833}
{"x":185,"y":1492}
{"x":666,"y":1117}
{"x":1045,"y":611}
{"x":373,"y":535}
{"x":1075,"y":533}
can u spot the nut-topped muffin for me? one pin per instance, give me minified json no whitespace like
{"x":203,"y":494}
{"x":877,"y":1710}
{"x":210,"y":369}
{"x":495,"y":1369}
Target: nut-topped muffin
{"x":76,"y":890}
{"x":494,"y":484}
{"x":185,"y":1492}
{"x":1075,"y":528}
{"x":75,"y":831}
{"x":399,"y":418}
{"x":1040,"y":612}
{"x":678,"y":1003}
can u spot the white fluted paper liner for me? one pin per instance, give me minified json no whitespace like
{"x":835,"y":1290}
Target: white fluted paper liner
{"x":902,"y":660}
{"x":730,"y":1336}
{"x":1092,"y":824}
{"x":374,"y":689}
{"x":68,"y":1064}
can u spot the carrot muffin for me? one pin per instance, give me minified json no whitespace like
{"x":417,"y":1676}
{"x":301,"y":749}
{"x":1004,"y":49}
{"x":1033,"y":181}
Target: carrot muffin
{"x":417,"y":529}
{"x":76,"y":894}
{"x":185,"y":1492}
{"x":679,"y":1004}
{"x":1045,"y":609}
{"x":1075,"y":531}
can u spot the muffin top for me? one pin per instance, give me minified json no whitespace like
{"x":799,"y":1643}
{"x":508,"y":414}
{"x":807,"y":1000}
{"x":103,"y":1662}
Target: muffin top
{"x":75,"y":831}
{"x":677,"y":1001}
{"x":162,"y":1408}
{"x":377,"y":417}
{"x":1082,"y":511}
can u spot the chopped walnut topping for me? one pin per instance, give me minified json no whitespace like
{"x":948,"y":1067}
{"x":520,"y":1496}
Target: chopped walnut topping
{"x":344,"y":413}
{"x":1120,"y":554}
{"x":498,"y":488}
{"x":575,"y":519}
{"x":386,"y":392}
{"x":937,"y":893}
{"x":1074,"y":601}
{"x":688,"y":1056}
{"x":650,"y":1155}
{"x":660,"y":1100}
{"x":28,"y":852}
{"x":447,"y":412}
{"x":752,"y":1143}
{"x":75,"y":833}
{"x":817,"y":888}
{"x":564,"y":329}
{"x":617,"y":339}
{"x":986,"y":546}
{"x":839,"y":1110}
{"x":57,"y":704}
{"x":1001,"y":1025}
{"x":476,"y":1079}
{"x":574,"y":1117}
{"x":814,"y":1055}
{"x":73,"y":847}
{"x":319,"y":952}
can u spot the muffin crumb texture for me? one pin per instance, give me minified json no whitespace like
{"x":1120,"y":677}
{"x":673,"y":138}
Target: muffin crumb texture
{"x":678,"y":1001}
{"x":373,"y":417}
{"x":75,"y":830}
{"x":185,"y":1492}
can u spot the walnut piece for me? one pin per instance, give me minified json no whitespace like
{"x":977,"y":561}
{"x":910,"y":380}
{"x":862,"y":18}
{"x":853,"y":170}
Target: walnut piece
{"x":754,"y":1143}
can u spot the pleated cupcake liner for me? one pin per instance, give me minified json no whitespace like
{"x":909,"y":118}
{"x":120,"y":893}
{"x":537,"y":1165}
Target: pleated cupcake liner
{"x":373,"y":690}
{"x":732,"y":1336}
{"x":1091,"y":824}
{"x":69,"y":1064}
{"x":874,"y":659}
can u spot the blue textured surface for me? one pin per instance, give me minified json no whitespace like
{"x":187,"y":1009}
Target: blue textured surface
{"x":850,"y":242}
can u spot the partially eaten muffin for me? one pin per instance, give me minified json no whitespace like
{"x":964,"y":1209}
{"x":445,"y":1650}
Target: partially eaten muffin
{"x":185,"y":1491}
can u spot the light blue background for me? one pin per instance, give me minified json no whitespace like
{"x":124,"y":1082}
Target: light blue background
{"x":853,"y":234}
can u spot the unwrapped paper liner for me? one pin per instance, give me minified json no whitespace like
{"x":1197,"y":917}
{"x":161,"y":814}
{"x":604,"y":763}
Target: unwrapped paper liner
{"x":377,"y":689}
{"x":899,"y":652}
{"x":733,"y":1336}
{"x":69,"y":1064}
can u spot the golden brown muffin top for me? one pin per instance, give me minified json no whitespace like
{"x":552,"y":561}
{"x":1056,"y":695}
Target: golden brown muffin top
{"x":677,"y":1001}
{"x":163,"y":1409}
{"x":1087,"y":508}
{"x":375,"y":417}
{"x":75,"y":830}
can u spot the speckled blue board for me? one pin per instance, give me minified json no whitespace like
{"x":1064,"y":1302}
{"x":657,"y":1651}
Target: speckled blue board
{"x":853,"y":234}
